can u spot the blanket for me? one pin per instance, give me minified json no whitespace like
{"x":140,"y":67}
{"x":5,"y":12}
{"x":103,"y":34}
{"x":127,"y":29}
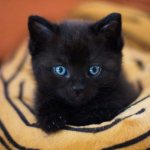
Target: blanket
{"x":128,"y":130}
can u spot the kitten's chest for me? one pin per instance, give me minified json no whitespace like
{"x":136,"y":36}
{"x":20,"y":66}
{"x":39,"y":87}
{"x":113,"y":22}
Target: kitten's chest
{"x":93,"y":113}
{"x":87,"y":115}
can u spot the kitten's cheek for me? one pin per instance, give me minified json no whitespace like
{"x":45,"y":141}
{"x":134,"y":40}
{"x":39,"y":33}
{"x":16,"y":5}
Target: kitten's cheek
{"x":63,"y":94}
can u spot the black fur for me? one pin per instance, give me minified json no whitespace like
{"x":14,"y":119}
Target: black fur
{"x":78,"y":45}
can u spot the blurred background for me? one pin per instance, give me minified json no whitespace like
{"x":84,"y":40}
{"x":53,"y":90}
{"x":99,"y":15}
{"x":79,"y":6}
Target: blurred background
{"x":14,"y":14}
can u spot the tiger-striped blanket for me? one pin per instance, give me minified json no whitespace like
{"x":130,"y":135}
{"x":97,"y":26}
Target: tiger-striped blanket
{"x":129,"y":130}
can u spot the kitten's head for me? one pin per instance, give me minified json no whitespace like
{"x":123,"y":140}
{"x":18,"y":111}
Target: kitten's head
{"x":75,"y":60}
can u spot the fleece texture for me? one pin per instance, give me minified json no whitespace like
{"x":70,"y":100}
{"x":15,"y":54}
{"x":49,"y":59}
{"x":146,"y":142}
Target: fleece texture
{"x":129,"y":130}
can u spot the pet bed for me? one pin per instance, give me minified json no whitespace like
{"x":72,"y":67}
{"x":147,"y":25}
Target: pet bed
{"x":129,"y":130}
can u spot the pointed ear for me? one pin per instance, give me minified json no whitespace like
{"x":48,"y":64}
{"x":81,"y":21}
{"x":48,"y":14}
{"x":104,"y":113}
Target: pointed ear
{"x":110,"y":28}
{"x":40,"y":30}
{"x":111,"y":25}
{"x":40,"y":26}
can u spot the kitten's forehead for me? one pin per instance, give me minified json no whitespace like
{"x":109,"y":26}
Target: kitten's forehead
{"x":75,"y":29}
{"x":77,"y":45}
{"x":73,"y":36}
{"x":78,"y":24}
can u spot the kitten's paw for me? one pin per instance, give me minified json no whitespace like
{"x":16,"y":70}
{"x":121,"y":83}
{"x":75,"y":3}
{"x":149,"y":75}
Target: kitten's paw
{"x":52,"y":124}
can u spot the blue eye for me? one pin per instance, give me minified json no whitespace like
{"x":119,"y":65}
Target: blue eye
{"x":60,"y":70}
{"x":94,"y":70}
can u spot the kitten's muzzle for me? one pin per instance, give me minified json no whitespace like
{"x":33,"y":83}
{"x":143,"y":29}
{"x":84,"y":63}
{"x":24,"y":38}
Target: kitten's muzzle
{"x":78,"y":90}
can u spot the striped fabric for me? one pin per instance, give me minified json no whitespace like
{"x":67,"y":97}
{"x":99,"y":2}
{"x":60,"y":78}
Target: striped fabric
{"x":129,"y":130}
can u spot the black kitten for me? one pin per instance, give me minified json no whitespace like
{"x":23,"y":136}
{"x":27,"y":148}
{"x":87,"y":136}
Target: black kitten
{"x":77,"y":67}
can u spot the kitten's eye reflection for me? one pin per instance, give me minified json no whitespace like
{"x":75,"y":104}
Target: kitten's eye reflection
{"x":94,"y":70}
{"x":60,"y":70}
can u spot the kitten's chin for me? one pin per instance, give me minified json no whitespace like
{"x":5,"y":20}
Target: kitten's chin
{"x":77,"y":101}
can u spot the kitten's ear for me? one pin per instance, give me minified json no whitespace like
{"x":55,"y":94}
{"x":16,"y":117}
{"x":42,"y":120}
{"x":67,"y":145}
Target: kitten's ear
{"x":40,"y":30}
{"x":111,"y":28}
{"x":39,"y":26}
{"x":111,"y":25}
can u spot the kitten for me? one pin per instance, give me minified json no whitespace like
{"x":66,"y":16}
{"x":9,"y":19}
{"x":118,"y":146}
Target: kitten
{"x":77,"y":67}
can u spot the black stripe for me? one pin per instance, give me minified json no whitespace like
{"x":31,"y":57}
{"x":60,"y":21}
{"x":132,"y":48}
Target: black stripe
{"x":2,"y":141}
{"x":130,"y":142}
{"x":138,"y":102}
{"x":102,"y":128}
{"x":21,"y":98}
{"x":20,"y":114}
{"x":6,"y":93}
{"x":18,"y":69}
{"x":139,"y":63}
{"x":10,"y":139}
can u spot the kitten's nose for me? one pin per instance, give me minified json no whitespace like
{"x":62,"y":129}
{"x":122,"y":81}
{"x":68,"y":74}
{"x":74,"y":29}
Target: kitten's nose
{"x":78,"y":89}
